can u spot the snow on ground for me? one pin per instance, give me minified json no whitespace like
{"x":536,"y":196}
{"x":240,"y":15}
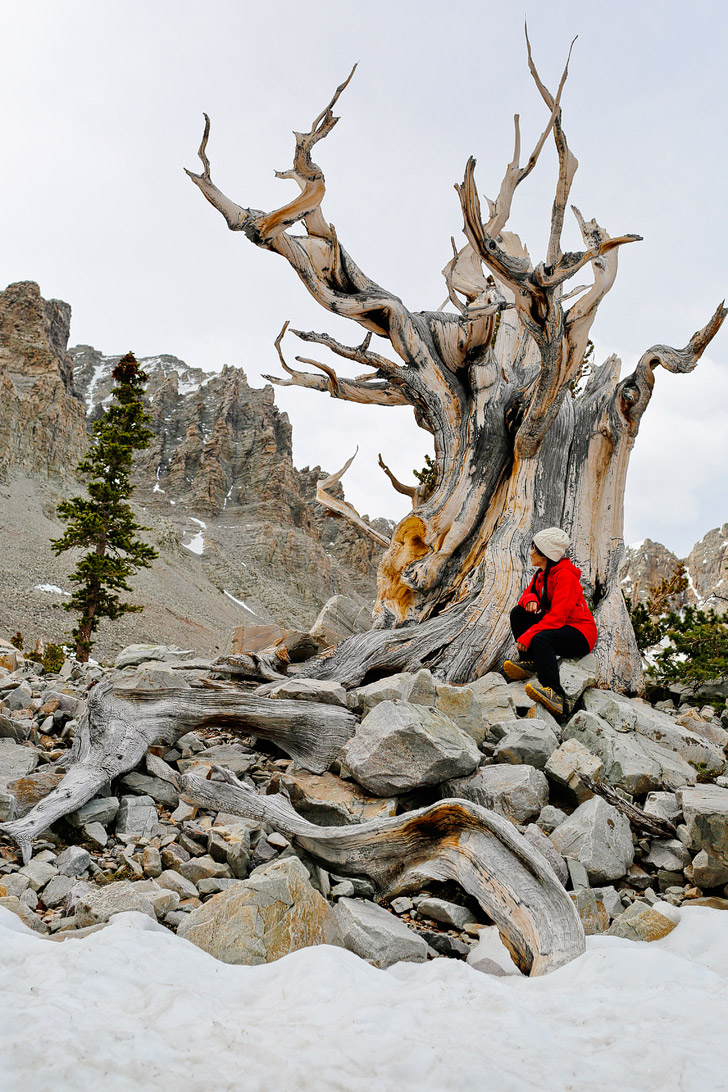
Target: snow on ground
{"x":135,"y":1007}
{"x":51,"y":588}
{"x":239,"y":601}
{"x":196,"y":545}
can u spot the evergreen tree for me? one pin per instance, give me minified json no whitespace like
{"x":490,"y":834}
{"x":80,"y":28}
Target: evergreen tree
{"x":103,"y":522}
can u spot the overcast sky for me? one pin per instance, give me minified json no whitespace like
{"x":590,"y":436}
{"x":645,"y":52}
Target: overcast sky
{"x":102,"y":108}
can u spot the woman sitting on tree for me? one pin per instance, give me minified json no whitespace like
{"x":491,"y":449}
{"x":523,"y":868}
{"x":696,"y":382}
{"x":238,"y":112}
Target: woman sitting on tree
{"x":552,"y":619}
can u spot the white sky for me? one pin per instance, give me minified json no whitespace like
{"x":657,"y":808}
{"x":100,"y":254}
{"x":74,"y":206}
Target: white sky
{"x":102,"y":107}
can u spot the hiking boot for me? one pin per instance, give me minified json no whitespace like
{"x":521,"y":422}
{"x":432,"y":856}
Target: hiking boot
{"x":519,"y":669}
{"x":547,"y":697}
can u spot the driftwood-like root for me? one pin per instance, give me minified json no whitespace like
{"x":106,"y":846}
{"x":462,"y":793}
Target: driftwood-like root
{"x":115,"y":733}
{"x":451,"y":840}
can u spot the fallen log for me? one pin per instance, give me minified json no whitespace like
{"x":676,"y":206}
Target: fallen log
{"x":640,"y":820}
{"x":451,"y":840}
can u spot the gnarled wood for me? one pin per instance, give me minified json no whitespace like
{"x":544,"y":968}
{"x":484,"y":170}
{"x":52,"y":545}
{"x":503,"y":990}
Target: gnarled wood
{"x":520,"y":442}
{"x":451,"y":840}
{"x":115,"y":732}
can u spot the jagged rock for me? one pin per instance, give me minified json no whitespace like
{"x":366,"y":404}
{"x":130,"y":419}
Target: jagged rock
{"x":230,"y":755}
{"x":373,"y":933}
{"x":150,"y":676}
{"x":669,"y":854}
{"x":135,"y":655}
{"x":43,"y":425}
{"x":16,"y":761}
{"x":145,"y":896}
{"x":545,"y":846}
{"x":496,"y":698}
{"x":550,"y":818}
{"x":532,"y":743}
{"x":707,"y":871}
{"x":654,"y":725}
{"x":73,"y":861}
{"x":663,"y":805}
{"x":173,"y":881}
{"x":258,"y":920}
{"x":320,"y":690}
{"x":611,"y":899}
{"x":642,"y":922}
{"x":517,"y":792}
{"x":646,"y":564}
{"x":632,"y":762}
{"x":569,"y":760}
{"x":57,"y":890}
{"x":152,"y":862}
{"x":490,"y":955}
{"x":329,"y":801}
{"x":708,"y":729}
{"x":102,"y":809}
{"x":339,"y":618}
{"x":707,"y":564}
{"x":446,"y":945}
{"x":203,"y":868}
{"x":29,"y":790}
{"x":144,"y":785}
{"x":576,"y":676}
{"x":391,"y":688}
{"x":137,"y":816}
{"x":38,"y":873}
{"x":705,"y":808}
{"x":591,"y":910}
{"x":398,"y":747}
{"x":598,"y":836}
{"x":448,"y":913}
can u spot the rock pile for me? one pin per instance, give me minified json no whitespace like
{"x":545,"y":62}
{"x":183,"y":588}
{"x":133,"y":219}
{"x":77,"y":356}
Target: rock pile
{"x":654,"y":836}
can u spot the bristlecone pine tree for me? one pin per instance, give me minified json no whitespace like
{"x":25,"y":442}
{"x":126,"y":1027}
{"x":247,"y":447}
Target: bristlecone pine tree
{"x":520,"y":444}
{"x":102,"y":522}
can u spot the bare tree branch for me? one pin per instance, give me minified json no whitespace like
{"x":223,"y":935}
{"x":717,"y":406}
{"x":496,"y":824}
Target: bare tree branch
{"x":406,"y":490}
{"x":343,"y":508}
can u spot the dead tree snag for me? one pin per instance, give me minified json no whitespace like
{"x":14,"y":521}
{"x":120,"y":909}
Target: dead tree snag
{"x":495,"y":380}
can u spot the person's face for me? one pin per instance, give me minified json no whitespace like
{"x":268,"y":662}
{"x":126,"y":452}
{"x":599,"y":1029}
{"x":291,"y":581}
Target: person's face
{"x":537,"y":558}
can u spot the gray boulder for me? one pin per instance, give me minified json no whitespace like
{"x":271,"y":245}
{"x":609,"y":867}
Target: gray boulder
{"x":448,"y":913}
{"x":706,"y":871}
{"x":657,"y":726}
{"x":230,"y":755}
{"x":631,"y":761}
{"x":133,"y":655}
{"x":516,"y":792}
{"x":531,"y":743}
{"x":102,"y":809}
{"x":261,"y":919}
{"x":15,"y":761}
{"x":570,"y":760}
{"x":399,"y":746}
{"x":143,"y":785}
{"x":325,"y":691}
{"x":663,"y":805}
{"x":705,"y":808}
{"x":373,"y":933}
{"x":599,"y":837}
{"x":137,"y":816}
{"x":576,"y":676}
{"x":73,"y":861}
{"x":391,"y":688}
{"x":495,"y":696}
{"x":668,"y":853}
{"x":96,"y":906}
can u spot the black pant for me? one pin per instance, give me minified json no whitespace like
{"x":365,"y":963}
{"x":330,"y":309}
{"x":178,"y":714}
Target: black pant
{"x":547,"y":645}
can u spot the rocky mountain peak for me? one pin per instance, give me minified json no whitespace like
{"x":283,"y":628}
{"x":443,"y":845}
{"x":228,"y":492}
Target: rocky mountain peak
{"x":43,"y":426}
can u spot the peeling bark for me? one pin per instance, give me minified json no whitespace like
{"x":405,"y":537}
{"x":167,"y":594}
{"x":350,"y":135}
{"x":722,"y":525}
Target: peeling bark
{"x":451,"y":840}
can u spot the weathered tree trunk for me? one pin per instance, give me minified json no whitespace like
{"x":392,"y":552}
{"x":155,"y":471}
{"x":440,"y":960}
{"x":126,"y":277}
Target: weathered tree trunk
{"x":520,"y":442}
{"x":451,"y":840}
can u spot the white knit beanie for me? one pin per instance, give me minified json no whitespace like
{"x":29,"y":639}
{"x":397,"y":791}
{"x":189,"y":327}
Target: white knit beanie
{"x":552,"y":543}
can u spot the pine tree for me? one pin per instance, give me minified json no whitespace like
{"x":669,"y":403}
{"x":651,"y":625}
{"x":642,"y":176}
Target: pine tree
{"x":103,"y":522}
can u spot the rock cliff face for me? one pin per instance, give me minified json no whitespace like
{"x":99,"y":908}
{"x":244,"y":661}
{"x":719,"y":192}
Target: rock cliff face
{"x":706,"y":567}
{"x":43,"y":423}
{"x":240,"y":536}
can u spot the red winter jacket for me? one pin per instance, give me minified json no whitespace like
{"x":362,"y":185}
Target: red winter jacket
{"x":566,"y":605}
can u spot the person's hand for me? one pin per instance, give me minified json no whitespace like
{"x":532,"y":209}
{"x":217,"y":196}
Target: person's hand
{"x":531,"y":607}
{"x":521,"y":647}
